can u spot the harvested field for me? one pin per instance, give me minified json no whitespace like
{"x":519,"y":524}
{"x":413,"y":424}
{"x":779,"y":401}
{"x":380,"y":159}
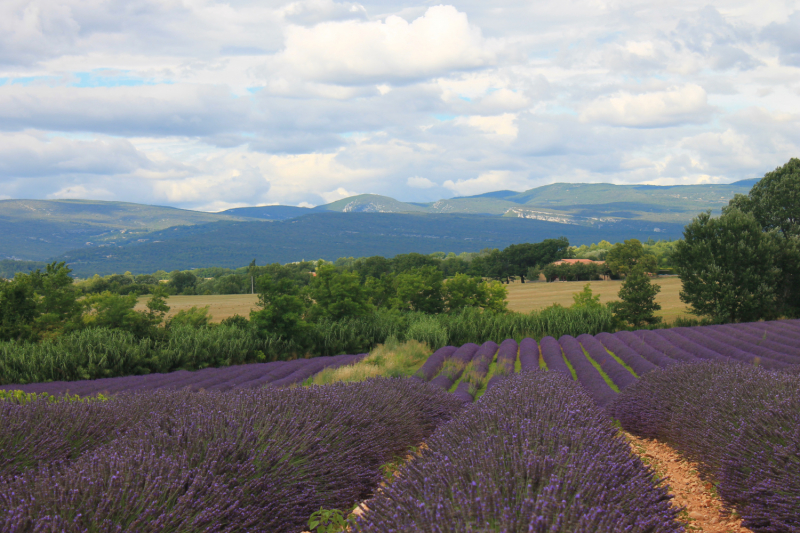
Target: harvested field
{"x":221,"y":306}
{"x":525,"y":297}
{"x":522,"y":297}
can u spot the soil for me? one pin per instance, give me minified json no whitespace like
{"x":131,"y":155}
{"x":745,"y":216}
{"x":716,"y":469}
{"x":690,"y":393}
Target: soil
{"x":703,"y":511}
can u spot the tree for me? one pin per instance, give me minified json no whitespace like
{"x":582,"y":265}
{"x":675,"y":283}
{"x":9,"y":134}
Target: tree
{"x":39,"y":304}
{"x":585,"y":298}
{"x":182,"y":282}
{"x":729,"y":267}
{"x":18,"y":307}
{"x":775,"y":203}
{"x":115,"y":311}
{"x":638,"y":299}
{"x":282,"y":308}
{"x":337,"y":295}
{"x":521,"y":257}
{"x":775,"y":200}
{"x":57,"y":304}
{"x":463,"y":291}
{"x":624,"y":257}
{"x":419,"y":289}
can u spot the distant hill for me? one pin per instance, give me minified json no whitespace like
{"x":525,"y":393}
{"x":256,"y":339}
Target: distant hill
{"x":268,"y":212}
{"x":573,"y":203}
{"x":371,"y":203}
{"x":39,"y":230}
{"x":332,"y":235}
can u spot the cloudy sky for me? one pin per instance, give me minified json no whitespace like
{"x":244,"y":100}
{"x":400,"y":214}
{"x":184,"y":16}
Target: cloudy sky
{"x":210,"y":105}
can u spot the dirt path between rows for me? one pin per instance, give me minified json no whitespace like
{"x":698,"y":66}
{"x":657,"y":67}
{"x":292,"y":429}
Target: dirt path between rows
{"x":703,"y":510}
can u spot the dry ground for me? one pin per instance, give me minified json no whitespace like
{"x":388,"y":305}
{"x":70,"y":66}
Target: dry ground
{"x":703,"y":511}
{"x":221,"y":306}
{"x":522,"y":297}
{"x":525,"y":297}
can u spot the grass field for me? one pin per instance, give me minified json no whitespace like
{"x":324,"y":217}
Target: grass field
{"x":525,"y":297}
{"x":522,"y":297}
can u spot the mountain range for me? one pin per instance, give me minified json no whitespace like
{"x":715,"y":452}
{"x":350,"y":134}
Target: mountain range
{"x":106,"y":237}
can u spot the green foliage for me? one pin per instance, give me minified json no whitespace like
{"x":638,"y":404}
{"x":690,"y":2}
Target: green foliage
{"x":194,"y":317}
{"x":637,"y":305}
{"x":521,"y":257}
{"x":183,"y":282}
{"x":237,"y":321}
{"x":114,"y":311}
{"x":282,"y":308}
{"x":337,"y":295}
{"x":39,"y":304}
{"x":775,"y":203}
{"x":585,"y":298}
{"x":624,"y":257}
{"x":419,"y":289}
{"x":573,"y":272}
{"x":327,"y":521}
{"x":21,"y":398}
{"x":775,"y":200}
{"x":728,"y":267}
{"x":101,"y":353}
{"x":465,"y":291}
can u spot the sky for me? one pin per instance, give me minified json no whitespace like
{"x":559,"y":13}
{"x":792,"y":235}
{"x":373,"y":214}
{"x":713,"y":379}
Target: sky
{"x":211,"y":105}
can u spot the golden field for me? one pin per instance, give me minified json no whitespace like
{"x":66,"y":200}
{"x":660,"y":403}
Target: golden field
{"x":525,"y":297}
{"x":522,"y":297}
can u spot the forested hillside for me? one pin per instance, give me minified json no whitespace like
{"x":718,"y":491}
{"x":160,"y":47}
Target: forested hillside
{"x":330,"y":236}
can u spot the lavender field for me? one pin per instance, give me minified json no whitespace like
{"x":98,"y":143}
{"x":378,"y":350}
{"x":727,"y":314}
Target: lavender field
{"x":519,"y":436}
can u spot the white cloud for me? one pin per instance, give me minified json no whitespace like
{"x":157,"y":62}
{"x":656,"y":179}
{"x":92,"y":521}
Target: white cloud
{"x":418,"y":182}
{"x":338,"y":194}
{"x":503,"y":125}
{"x":216,"y":104}
{"x":349,"y":52}
{"x":493,"y":180}
{"x":679,"y":105}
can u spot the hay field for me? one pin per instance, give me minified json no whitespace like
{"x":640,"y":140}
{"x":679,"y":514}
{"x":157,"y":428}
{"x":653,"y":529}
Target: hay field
{"x":221,"y":306}
{"x":529,"y":296}
{"x":521,"y":297}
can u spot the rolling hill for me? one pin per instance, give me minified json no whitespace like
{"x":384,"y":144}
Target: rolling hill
{"x":332,"y":235}
{"x":40,"y":229}
{"x":107,"y":236}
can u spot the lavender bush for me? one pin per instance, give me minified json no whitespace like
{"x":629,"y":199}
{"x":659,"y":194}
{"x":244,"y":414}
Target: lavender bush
{"x":506,"y":359}
{"x":529,"y":354}
{"x":553,"y":357}
{"x":587,"y":374}
{"x":739,"y":423}
{"x":638,"y":364}
{"x":245,"y":460}
{"x":434,"y":363}
{"x":534,"y":454}
{"x":618,"y":373}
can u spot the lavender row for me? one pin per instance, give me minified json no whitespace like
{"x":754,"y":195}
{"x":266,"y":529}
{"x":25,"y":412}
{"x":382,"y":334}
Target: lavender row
{"x":475,"y":376}
{"x":506,"y":360}
{"x":741,"y":424}
{"x":553,"y":356}
{"x":587,"y":374}
{"x":233,"y":377}
{"x":646,"y":350}
{"x":533,"y":454}
{"x":638,"y":363}
{"x":434,"y":363}
{"x":754,"y":344}
{"x":618,"y":373}
{"x":453,"y":367}
{"x":246,"y":460}
{"x":528,"y":354}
